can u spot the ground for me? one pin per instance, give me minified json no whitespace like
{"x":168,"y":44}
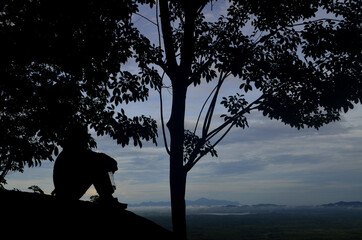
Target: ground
{"x":24,"y":215}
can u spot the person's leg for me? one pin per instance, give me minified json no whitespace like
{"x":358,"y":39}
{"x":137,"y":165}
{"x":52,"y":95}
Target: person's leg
{"x":72,"y":188}
{"x":103,"y":184}
{"x":104,"y":187}
{"x":71,"y":175}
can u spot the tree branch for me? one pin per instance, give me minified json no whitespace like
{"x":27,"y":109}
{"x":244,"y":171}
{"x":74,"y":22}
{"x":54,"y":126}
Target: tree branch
{"x":140,"y":15}
{"x":230,"y":121}
{"x":187,"y":47}
{"x":167,"y":38}
{"x":193,"y":162}
{"x":162,"y":119}
{"x":317,"y":20}
{"x":262,"y":39}
{"x":211,"y":109}
{"x":158,"y":24}
{"x":202,"y":108}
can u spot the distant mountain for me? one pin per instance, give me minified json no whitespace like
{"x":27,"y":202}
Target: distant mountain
{"x":205,"y":202}
{"x":210,"y":202}
{"x":151,"y":204}
{"x":342,"y":204}
{"x":267,"y":205}
{"x":198,"y":202}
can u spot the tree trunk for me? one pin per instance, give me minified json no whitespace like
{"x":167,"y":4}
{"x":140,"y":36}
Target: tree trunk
{"x":177,"y":170}
{"x":178,"y":205}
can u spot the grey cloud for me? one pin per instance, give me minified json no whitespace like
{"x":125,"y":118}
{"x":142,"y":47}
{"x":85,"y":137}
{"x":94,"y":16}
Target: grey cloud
{"x":297,"y":159}
{"x":227,"y":168}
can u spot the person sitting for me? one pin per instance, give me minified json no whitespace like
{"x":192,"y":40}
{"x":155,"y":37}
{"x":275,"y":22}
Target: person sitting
{"x":78,"y":167}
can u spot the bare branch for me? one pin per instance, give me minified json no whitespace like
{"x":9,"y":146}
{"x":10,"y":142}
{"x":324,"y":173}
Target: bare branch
{"x":210,"y":112}
{"x":222,"y":137}
{"x":162,"y":119}
{"x":146,"y":18}
{"x":202,"y":109}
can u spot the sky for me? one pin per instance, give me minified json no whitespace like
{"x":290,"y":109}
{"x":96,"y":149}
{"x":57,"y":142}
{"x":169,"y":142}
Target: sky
{"x":268,"y":162}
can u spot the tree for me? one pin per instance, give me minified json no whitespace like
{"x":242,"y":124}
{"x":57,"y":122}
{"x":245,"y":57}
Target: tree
{"x":306,"y":70}
{"x":60,"y":66}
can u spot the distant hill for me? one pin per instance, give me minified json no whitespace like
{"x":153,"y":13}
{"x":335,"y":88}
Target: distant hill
{"x":210,"y":202}
{"x":198,"y":202}
{"x":151,"y":204}
{"x":205,"y":202}
{"x":24,"y":215}
{"x":342,"y":204}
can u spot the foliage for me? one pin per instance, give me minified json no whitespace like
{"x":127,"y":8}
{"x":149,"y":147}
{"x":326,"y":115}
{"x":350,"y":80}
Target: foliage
{"x":94,"y":198}
{"x":60,"y":65}
{"x":191,"y":142}
{"x":306,"y":70}
{"x":36,"y":189}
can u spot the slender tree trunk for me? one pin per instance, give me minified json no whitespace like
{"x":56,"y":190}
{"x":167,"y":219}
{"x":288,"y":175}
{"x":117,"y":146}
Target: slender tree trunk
{"x":177,"y":170}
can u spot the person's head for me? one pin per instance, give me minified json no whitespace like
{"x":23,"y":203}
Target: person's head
{"x":77,"y":137}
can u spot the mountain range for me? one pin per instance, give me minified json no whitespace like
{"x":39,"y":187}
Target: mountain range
{"x":198,"y":202}
{"x":342,"y":204}
{"x":205,"y":202}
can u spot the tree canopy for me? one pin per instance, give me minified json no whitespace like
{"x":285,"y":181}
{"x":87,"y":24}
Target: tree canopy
{"x":302,"y":59}
{"x":306,"y":68}
{"x":60,"y":65}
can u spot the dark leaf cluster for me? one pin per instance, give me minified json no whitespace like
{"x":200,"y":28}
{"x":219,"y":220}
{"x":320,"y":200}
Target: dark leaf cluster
{"x":235,"y":105}
{"x":60,"y":66}
{"x":306,"y":70}
{"x":36,"y":189}
{"x":195,"y":147}
{"x":137,"y":128}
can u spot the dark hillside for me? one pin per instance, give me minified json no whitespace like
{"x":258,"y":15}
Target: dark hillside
{"x":23,"y":215}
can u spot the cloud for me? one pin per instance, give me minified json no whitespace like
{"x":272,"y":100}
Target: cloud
{"x":268,"y":162}
{"x":273,"y":162}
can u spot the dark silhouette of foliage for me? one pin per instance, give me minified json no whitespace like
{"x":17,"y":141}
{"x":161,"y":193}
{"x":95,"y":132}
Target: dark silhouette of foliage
{"x":36,"y":189}
{"x":94,"y":198}
{"x":305,"y":68}
{"x":60,"y":65}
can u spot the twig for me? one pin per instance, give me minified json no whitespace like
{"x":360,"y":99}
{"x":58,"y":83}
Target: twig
{"x":146,"y":18}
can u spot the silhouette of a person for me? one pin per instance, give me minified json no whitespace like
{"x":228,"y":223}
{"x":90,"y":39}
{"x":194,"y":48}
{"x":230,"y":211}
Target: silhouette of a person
{"x":77,"y":167}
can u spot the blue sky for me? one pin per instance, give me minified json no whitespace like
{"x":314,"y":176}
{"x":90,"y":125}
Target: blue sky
{"x":266,"y":163}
